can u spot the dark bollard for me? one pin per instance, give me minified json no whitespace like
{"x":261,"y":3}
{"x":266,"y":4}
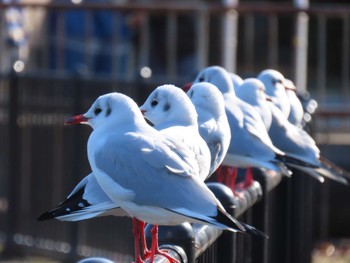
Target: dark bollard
{"x":180,"y":235}
{"x":226,"y":242}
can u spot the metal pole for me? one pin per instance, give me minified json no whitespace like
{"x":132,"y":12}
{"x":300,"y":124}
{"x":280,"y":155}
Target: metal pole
{"x":13,"y":179}
{"x":301,"y":45}
{"x":229,"y":36}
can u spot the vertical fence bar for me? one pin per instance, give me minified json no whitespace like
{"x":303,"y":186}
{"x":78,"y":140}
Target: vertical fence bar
{"x":273,"y":40}
{"x":115,"y":45}
{"x":202,"y":39}
{"x":89,"y":52}
{"x":301,"y":42}
{"x":322,"y":55}
{"x":171,"y":40}
{"x":144,"y":42}
{"x":229,"y":36}
{"x":249,"y":33}
{"x":346,"y":59}
{"x":13,"y":179}
{"x":260,"y":220}
{"x":60,"y":40}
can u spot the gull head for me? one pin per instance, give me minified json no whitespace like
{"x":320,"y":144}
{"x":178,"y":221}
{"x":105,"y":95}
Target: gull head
{"x":169,"y":104}
{"x":207,"y":96}
{"x":108,"y":110}
{"x":218,"y":76}
{"x":273,"y":81}
{"x":251,"y":90}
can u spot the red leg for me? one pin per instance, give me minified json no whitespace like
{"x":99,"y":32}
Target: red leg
{"x":231,"y":177}
{"x":137,"y":235}
{"x":155,"y":249}
{"x":248,"y":177}
{"x":221,"y":171}
{"x":145,"y":251}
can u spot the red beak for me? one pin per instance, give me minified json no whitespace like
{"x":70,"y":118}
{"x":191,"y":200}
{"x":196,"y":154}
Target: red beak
{"x":187,"y":86}
{"x":76,"y":119}
{"x":143,"y":112}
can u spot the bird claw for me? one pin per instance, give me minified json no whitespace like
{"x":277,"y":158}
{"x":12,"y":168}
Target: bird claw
{"x":163,"y":253}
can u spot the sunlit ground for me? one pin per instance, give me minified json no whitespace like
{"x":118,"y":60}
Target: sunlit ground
{"x":332,"y":252}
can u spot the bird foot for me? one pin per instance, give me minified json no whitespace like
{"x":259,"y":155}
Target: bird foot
{"x":161,"y":252}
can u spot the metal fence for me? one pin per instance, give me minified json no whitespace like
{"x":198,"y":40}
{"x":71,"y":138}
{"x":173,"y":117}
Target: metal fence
{"x":68,"y":67}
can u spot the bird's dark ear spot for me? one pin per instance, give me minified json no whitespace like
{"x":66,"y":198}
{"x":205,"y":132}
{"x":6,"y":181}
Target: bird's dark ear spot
{"x":109,"y":110}
{"x":166,"y":107}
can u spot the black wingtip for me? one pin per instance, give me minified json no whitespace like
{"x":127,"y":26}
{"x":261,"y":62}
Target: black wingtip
{"x":231,"y":222}
{"x":72,"y":204}
{"x":254,"y":231}
{"x":45,"y":216}
{"x":226,"y":219}
{"x":289,"y":160}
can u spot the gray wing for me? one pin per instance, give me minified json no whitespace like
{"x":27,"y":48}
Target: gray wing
{"x":291,"y":139}
{"x":157,"y":174}
{"x":246,"y":133}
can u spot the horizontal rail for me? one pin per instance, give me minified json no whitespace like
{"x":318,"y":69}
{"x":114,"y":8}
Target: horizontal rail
{"x":188,"y":7}
{"x":333,"y":112}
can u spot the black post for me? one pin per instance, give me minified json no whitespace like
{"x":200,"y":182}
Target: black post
{"x":13,"y":179}
{"x":301,"y":215}
{"x":260,"y":220}
{"x":226,"y":243}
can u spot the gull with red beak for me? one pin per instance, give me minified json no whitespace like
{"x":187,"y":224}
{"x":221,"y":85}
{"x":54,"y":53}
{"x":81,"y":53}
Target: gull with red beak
{"x":152,"y":178}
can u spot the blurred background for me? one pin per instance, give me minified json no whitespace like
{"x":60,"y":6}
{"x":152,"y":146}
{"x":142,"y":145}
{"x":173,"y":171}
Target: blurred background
{"x":56,"y":57}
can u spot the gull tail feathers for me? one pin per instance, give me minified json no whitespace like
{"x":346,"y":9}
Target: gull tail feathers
{"x":333,"y":167}
{"x":252,"y":230}
{"x":289,"y":160}
{"x":333,"y":175}
{"x":321,"y":172}
{"x":245,"y":228}
{"x":283,"y":169}
{"x":310,"y":171}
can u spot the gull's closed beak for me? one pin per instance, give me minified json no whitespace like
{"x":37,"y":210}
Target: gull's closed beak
{"x":76,"y":119}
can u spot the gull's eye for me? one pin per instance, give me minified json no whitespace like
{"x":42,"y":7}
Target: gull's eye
{"x":201,"y":79}
{"x":97,"y":111}
{"x":275,"y":81}
{"x":154,"y":103}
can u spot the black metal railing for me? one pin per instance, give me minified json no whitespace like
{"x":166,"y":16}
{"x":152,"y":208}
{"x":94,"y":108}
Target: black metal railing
{"x":41,"y":161}
{"x":46,"y":160}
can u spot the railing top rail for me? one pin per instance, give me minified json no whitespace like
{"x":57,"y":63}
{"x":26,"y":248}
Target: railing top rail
{"x":189,"y":6}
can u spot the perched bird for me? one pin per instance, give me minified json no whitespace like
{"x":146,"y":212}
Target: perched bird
{"x":275,"y":83}
{"x":294,"y":141}
{"x":212,"y":120}
{"x":296,"y":114}
{"x":172,"y":113}
{"x":250,"y":145}
{"x":256,"y":97}
{"x":236,"y":80}
{"x":150,"y":177}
